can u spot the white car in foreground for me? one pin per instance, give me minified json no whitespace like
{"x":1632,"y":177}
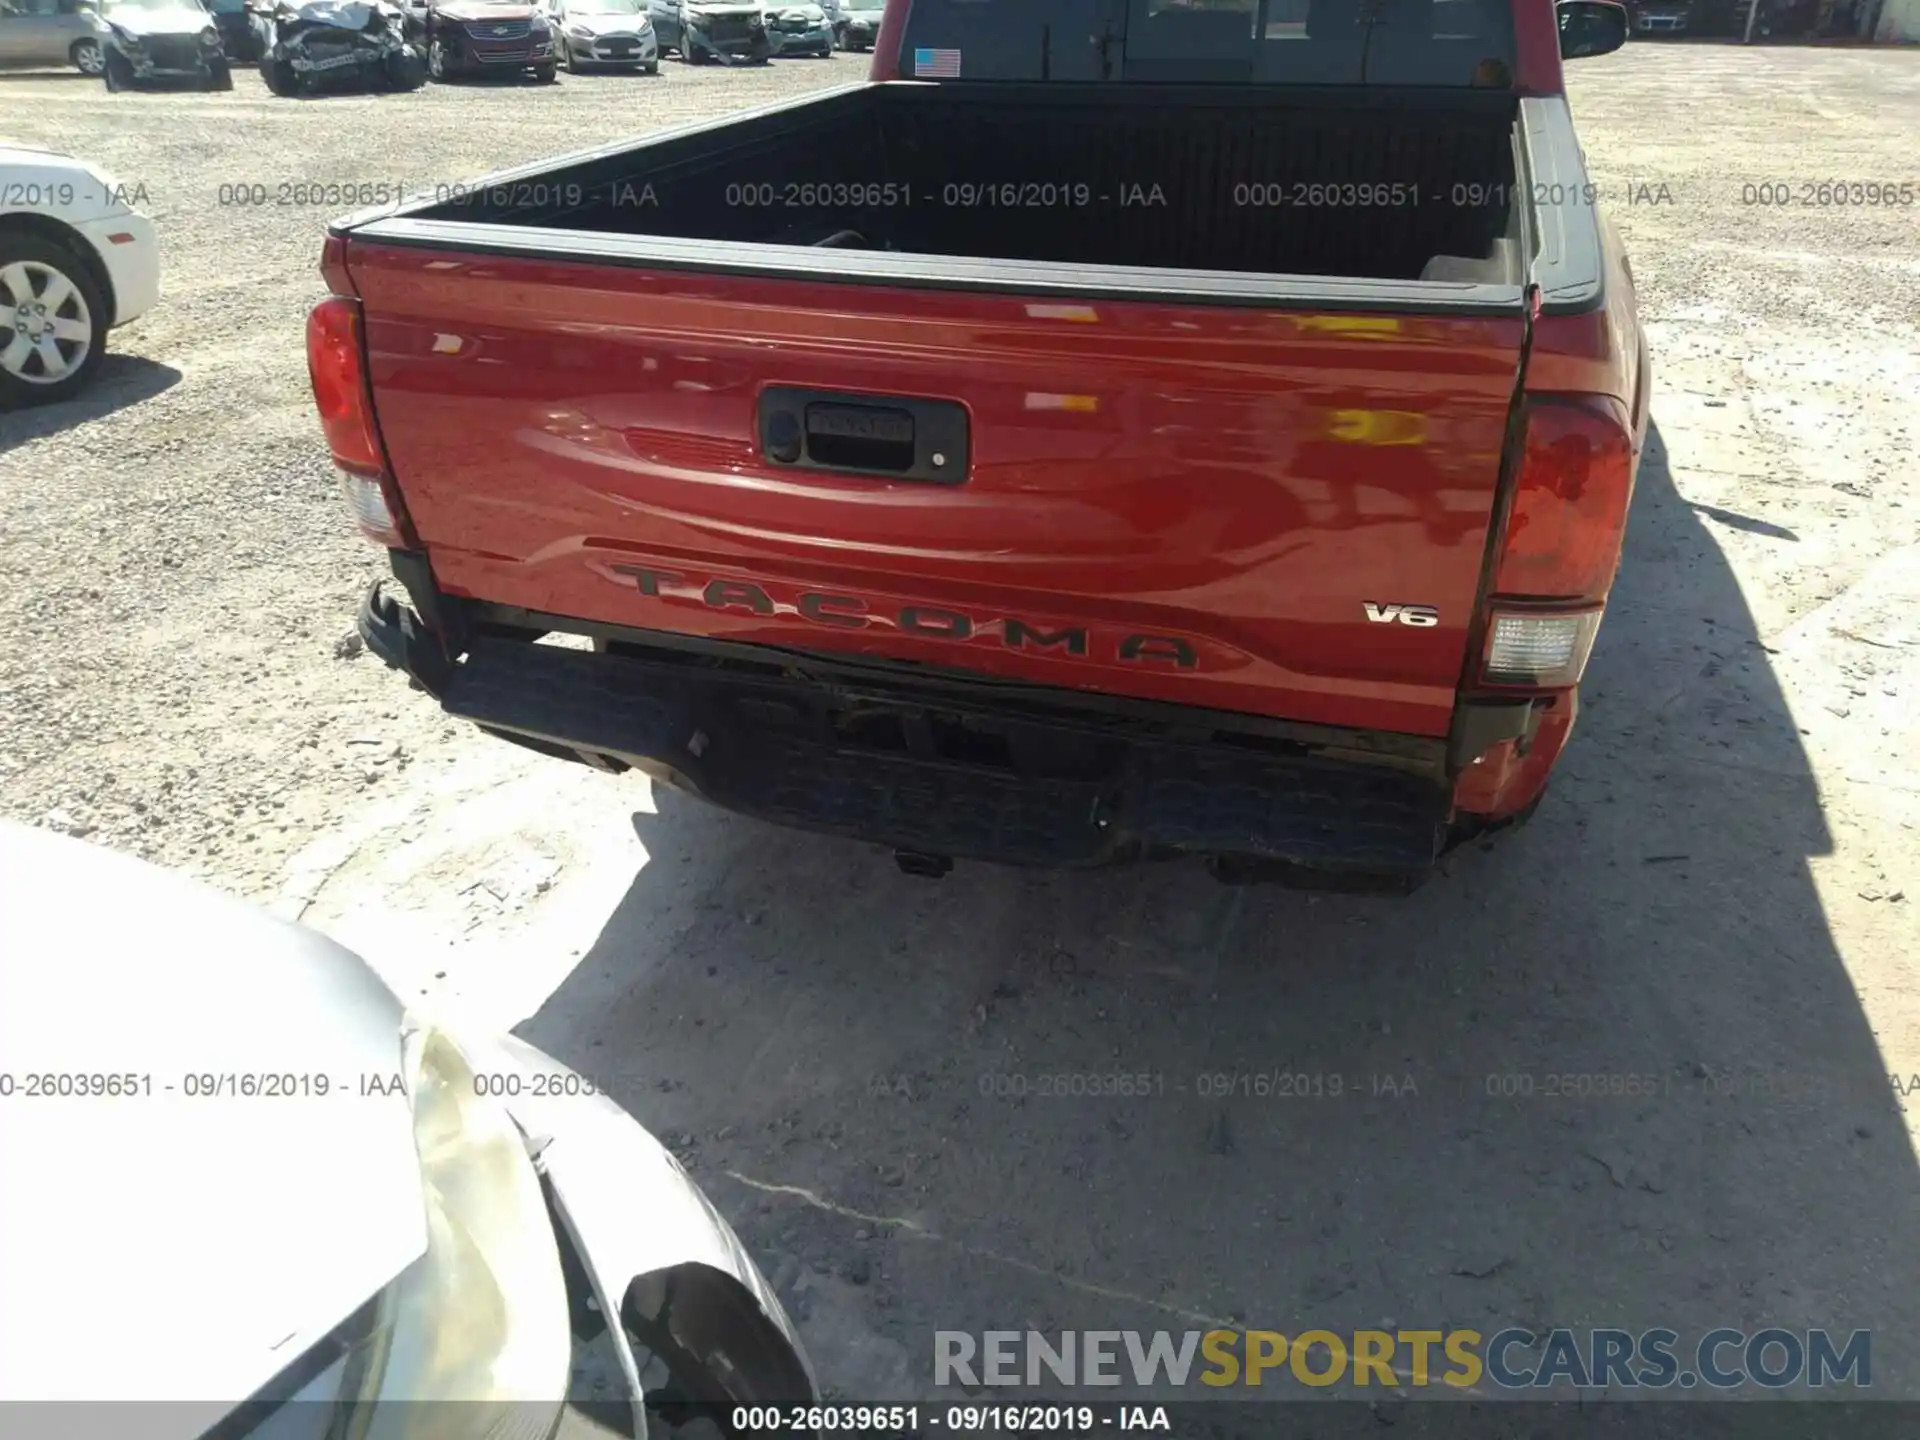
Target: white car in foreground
{"x":76,"y":260}
{"x":314,"y":1212}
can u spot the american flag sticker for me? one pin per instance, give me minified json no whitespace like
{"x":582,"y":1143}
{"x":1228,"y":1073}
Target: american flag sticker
{"x":936,"y":64}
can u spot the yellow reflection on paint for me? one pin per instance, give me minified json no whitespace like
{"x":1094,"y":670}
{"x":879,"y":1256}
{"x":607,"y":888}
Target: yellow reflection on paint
{"x":1077,"y":314}
{"x":1377,"y":427}
{"x":1358,"y":325}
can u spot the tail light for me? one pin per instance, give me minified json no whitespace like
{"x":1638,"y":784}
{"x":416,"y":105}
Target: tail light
{"x":336,"y":365}
{"x":1562,"y":544}
{"x":1540,"y":651}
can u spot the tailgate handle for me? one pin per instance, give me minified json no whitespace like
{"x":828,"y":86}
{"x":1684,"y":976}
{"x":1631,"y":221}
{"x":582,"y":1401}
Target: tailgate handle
{"x":866,"y":437}
{"x":897,"y":437}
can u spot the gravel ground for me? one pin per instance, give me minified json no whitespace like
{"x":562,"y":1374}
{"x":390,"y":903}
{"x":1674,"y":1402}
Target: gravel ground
{"x":1718,"y":898}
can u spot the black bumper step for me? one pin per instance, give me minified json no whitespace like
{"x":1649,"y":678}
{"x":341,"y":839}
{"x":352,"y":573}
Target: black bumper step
{"x":775,"y":748}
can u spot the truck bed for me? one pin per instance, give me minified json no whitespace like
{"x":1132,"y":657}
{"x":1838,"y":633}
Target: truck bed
{"x":1387,"y":185}
{"x":1185,"y":472}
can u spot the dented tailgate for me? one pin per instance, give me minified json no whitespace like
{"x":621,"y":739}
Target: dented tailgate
{"x":1281,"y":513}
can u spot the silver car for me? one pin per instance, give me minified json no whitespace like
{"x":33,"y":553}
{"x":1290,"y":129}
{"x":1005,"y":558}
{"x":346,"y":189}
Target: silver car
{"x":800,"y":30}
{"x":311,"y":1209}
{"x":51,"y":32}
{"x":859,"y":23}
{"x":605,"y":32}
{"x":1663,"y":19}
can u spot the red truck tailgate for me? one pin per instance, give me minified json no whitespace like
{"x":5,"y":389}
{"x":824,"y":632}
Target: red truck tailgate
{"x":1280,"y":513}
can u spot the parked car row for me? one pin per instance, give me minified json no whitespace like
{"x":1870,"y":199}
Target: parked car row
{"x":717,"y":28}
{"x":308,"y":45}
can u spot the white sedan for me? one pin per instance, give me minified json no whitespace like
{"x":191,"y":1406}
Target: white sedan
{"x":317,"y":1209}
{"x":76,"y":260}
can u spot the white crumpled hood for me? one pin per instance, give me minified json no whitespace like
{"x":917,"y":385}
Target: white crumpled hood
{"x":160,"y":1246}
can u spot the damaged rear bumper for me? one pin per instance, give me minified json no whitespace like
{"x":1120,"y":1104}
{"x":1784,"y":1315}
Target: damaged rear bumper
{"x":937,"y":773}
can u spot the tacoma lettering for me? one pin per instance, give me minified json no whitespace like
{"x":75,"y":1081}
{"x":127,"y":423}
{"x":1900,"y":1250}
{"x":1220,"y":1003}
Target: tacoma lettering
{"x":723,"y":593}
{"x":946,"y":624}
{"x":1159,"y":647}
{"x":1019,"y":635}
{"x":850,"y":612}
{"x":648,"y":580}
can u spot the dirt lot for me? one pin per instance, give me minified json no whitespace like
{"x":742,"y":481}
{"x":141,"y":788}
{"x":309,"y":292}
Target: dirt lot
{"x":1717,"y":899}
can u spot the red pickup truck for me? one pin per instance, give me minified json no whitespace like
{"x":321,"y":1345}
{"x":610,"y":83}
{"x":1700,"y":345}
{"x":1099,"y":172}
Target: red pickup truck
{"x":1115,"y":429}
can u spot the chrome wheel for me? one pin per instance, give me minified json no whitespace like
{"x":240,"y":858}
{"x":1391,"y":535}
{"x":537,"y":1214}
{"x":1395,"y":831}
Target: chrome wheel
{"x":436,"y":61}
{"x":46,"y":330}
{"x":89,"y":57}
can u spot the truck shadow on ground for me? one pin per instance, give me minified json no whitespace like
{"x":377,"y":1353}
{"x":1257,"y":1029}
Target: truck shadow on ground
{"x":1610,"y":1071}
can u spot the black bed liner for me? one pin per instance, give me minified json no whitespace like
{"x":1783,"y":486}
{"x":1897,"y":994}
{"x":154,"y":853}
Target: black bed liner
{"x":1553,"y":244}
{"x":1169,"y":177}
